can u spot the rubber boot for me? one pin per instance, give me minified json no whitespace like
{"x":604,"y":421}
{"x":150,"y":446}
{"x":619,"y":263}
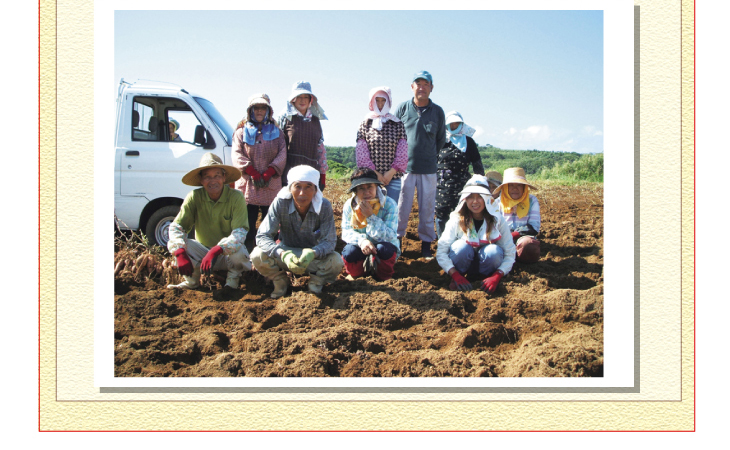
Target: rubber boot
{"x":281,"y":284}
{"x":315,"y":288}
{"x":426,"y":250}
{"x":232,"y":281}
{"x":384,"y":268}
{"x":191,"y":282}
{"x":354,"y":269}
{"x":315,"y":284}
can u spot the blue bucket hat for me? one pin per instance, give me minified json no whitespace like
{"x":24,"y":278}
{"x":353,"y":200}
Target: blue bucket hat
{"x":423,"y":74}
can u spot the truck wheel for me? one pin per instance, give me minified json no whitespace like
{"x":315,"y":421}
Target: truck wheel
{"x":157,"y":226}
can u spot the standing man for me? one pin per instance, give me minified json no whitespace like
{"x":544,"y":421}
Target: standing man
{"x":426,"y":132}
{"x":220,"y":218}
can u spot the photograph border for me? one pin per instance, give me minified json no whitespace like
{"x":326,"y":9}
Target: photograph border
{"x":405,"y":414}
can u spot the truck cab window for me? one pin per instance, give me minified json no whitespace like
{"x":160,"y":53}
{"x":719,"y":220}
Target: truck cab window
{"x":163,"y":119}
{"x":181,"y":125}
{"x":143,"y":115}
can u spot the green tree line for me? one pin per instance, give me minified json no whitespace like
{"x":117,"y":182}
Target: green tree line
{"x":567,"y":167}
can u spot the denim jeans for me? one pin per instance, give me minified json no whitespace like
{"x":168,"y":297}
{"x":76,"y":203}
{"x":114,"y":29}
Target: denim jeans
{"x":463,"y":256}
{"x":352,"y":253}
{"x":393,"y":189}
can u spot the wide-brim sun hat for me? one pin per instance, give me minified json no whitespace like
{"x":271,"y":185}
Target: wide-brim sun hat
{"x":454,"y":117}
{"x":360,"y":181}
{"x":175,"y":123}
{"x":478,"y":184}
{"x":514,"y":175}
{"x":302,"y":87}
{"x":210,"y":161}
{"x":494,"y":177}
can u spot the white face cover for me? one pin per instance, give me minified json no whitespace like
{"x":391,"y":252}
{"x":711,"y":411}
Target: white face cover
{"x":386,"y":107}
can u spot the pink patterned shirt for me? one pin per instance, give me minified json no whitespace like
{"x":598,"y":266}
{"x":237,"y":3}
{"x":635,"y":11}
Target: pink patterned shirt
{"x":383,"y":149}
{"x":262,"y":155}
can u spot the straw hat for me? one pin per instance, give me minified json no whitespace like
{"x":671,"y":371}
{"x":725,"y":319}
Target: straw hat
{"x":210,"y":161}
{"x":494,"y":177}
{"x":175,"y":124}
{"x":514,"y":175}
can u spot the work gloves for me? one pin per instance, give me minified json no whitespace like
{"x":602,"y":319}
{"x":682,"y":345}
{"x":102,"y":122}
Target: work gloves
{"x":270,"y":172}
{"x":260,"y":180}
{"x":322,"y":179}
{"x":298,"y":265}
{"x":256,"y":177}
{"x":184,"y":265}
{"x":206,"y":265}
{"x":490,"y":283}
{"x":459,"y":283}
{"x":524,"y":230}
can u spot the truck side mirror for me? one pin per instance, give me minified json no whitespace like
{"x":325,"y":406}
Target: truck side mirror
{"x":200,"y":135}
{"x":203,"y":137}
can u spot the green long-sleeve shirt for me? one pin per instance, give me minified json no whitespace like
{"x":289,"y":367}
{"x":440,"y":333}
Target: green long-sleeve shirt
{"x":213,"y":221}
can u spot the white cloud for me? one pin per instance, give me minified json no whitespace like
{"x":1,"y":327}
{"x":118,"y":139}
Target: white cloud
{"x":543,"y":137}
{"x":537,"y":129}
{"x":590,"y":130}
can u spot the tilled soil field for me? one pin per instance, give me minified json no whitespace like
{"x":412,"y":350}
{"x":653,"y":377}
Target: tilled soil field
{"x":544,"y":320}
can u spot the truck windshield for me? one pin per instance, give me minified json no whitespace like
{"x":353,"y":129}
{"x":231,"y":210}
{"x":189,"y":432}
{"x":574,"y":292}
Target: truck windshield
{"x":225,"y":128}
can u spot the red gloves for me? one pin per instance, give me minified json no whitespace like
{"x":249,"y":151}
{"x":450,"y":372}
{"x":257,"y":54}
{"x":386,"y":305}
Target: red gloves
{"x":460,"y":283}
{"x":270,"y":172}
{"x":322,"y":177}
{"x":206,"y":264}
{"x":184,"y":265}
{"x":516,"y":235}
{"x":250,"y":171}
{"x":490,"y":283}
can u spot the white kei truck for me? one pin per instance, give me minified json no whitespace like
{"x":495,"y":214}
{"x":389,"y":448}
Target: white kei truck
{"x":149,"y":164}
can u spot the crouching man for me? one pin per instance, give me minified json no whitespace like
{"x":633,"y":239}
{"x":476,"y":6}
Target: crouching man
{"x":220,"y":218}
{"x":306,"y":226}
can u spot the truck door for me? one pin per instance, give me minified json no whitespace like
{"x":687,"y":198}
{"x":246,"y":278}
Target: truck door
{"x":162,"y":148}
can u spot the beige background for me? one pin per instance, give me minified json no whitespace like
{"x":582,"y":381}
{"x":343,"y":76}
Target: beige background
{"x":69,"y":400}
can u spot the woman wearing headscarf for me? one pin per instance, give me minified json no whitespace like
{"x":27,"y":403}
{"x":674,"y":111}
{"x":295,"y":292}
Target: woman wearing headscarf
{"x":452,"y":168}
{"x":369,"y":228}
{"x":259,"y":152}
{"x":381,"y":143}
{"x":300,"y":123}
{"x":521,"y":211}
{"x":476,"y":239}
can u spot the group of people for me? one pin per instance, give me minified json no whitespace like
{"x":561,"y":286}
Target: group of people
{"x":279,"y":170}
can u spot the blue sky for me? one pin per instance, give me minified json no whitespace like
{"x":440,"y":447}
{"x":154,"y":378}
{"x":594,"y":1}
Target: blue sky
{"x":523,"y":79}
